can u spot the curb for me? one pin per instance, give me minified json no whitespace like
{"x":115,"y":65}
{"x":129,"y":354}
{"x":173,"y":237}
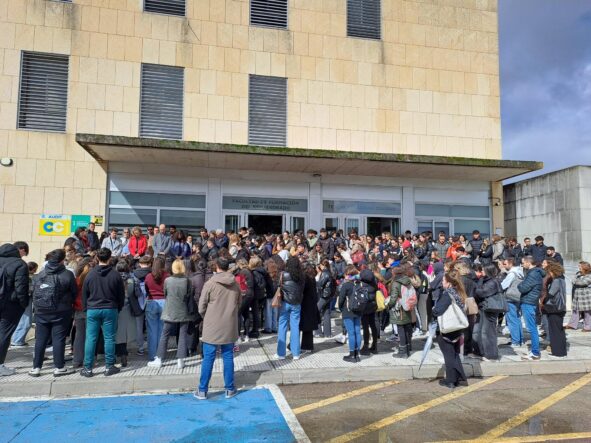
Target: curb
{"x":183,"y":383}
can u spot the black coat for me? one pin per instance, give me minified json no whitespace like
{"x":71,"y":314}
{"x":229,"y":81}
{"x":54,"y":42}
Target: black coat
{"x":309,"y":317}
{"x":67,"y":287}
{"x":328,"y":247}
{"x":291,"y":291}
{"x":17,"y":275}
{"x":325,"y":285}
{"x":487,"y":287}
{"x":93,"y":240}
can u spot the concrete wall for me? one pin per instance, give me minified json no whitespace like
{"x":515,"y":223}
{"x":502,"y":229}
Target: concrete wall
{"x":556,"y":206}
{"x":429,"y":86}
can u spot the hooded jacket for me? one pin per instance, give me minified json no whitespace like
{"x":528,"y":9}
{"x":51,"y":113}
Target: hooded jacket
{"x":68,"y":289}
{"x":436,"y":286}
{"x":398,"y":315}
{"x":103,"y":289}
{"x":218,"y":305}
{"x":17,"y":276}
{"x":369,"y":281}
{"x":531,"y":286}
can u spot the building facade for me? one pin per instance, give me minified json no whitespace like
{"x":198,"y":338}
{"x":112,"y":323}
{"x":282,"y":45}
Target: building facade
{"x":278,"y":114}
{"x":556,"y":206}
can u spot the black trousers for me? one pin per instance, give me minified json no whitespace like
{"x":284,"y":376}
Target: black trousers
{"x":256,"y":318}
{"x":405,"y":335}
{"x":307,"y":342}
{"x":485,"y":336}
{"x":454,"y":371}
{"x":324,"y":327}
{"x":468,"y":340}
{"x":368,"y":321}
{"x":54,"y":326}
{"x":10,"y":315}
{"x":557,"y":335}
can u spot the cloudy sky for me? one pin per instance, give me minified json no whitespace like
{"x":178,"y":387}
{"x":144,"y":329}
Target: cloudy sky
{"x":545,"y":61}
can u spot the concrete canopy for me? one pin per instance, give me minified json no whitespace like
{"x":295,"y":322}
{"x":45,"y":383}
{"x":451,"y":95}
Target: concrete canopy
{"x":107,"y":148}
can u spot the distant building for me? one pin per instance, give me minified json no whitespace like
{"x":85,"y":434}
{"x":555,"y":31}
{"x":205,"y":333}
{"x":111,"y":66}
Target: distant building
{"x":557,"y":206}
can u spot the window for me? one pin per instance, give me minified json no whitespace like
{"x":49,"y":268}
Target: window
{"x":169,"y":7}
{"x":43,"y":95}
{"x":161,"y":102}
{"x":267,"y":111}
{"x":272,"y":13}
{"x":364,"y":18}
{"x":452,"y":211}
{"x":361,"y":207}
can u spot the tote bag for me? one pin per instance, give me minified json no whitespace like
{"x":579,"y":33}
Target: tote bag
{"x":453,"y":319}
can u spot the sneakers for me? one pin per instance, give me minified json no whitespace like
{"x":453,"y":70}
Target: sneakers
{"x":392,"y":339}
{"x":112,"y":370}
{"x":140,"y":352}
{"x":530,"y":357}
{"x":231,"y":393}
{"x":340,"y":338}
{"x":85,"y":372}
{"x":278,"y":357}
{"x":156,"y":363}
{"x":18,"y":346}
{"x":6,"y":371}
{"x":35,"y":372}
{"x":200,"y":395}
{"x":297,"y":357}
{"x":61,"y":372}
{"x":236,"y":348}
{"x":180,"y":363}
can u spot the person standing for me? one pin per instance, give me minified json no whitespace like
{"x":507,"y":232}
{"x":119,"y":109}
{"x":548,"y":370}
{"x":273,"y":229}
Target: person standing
{"x":368,"y":320}
{"x":54,"y":292}
{"x":154,"y":284}
{"x":351,"y":320}
{"x":539,"y":250}
{"x":162,"y":241}
{"x":450,"y":343}
{"x":177,"y":290}
{"x":531,"y":289}
{"x":103,"y":296}
{"x":325,"y":284}
{"x":138,"y":244}
{"x":218,"y":306}
{"x":24,"y":325}
{"x":553,"y":304}
{"x":581,"y":298}
{"x":92,"y":238}
{"x":509,"y":285}
{"x":310,"y":317}
{"x":485,"y":329}
{"x":113,"y":243}
{"x":292,"y":292}
{"x":84,"y":267}
{"x":14,"y":295}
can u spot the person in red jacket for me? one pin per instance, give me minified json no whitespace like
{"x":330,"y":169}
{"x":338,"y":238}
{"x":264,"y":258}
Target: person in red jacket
{"x":137,"y":243}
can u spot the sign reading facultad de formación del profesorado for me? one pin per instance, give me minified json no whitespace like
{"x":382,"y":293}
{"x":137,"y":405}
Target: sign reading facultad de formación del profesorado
{"x":265,"y":204}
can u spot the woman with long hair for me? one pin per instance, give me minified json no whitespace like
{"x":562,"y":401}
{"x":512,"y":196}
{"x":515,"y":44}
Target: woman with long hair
{"x":450,"y":343}
{"x":154,"y":284}
{"x":485,"y":329}
{"x":126,"y":327}
{"x":248,"y":303}
{"x":582,"y":298}
{"x":351,"y":320}
{"x":310,"y":316}
{"x":180,"y":249}
{"x":271,"y":315}
{"x":325,"y":284}
{"x":292,"y":291}
{"x":82,"y":271}
{"x":553,"y":304}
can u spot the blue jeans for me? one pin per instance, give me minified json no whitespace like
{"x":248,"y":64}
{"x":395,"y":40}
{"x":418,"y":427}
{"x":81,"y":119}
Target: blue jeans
{"x":353,"y":326}
{"x":271,"y":315}
{"x":19,"y":336}
{"x":529,"y":315}
{"x":514,"y":324}
{"x":289,"y":314}
{"x":209,"y":351}
{"x":154,"y":325}
{"x":97,"y":319}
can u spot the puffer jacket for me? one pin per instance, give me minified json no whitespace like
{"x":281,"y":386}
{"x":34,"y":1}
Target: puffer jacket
{"x":531,"y":286}
{"x":486,"y":287}
{"x":325,"y":285}
{"x":369,"y":281}
{"x":67,"y":287}
{"x":17,"y":276}
{"x":346,"y":291}
{"x":441,"y":249}
{"x":292,"y":292}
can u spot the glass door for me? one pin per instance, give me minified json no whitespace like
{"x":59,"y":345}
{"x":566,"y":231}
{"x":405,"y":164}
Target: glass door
{"x":331,"y":223}
{"x":352,"y":223}
{"x":232,"y":222}
{"x":298,"y":223}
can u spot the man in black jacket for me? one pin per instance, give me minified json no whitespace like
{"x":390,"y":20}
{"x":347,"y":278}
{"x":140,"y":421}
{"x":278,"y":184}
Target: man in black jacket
{"x":93,"y":238}
{"x":14,"y":295}
{"x":476,"y":243}
{"x":327,"y":244}
{"x":103,"y":296}
{"x":538,"y":250}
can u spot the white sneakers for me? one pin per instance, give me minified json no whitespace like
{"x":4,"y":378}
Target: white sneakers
{"x":340,"y":338}
{"x":180,"y":363}
{"x":35,"y":372}
{"x":278,"y":357}
{"x":6,"y":371}
{"x":156,"y":363}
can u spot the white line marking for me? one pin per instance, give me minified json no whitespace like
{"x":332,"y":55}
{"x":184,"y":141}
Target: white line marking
{"x":290,"y":418}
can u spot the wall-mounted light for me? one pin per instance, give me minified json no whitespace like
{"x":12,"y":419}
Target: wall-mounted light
{"x":6,"y":161}
{"x":496,"y":201}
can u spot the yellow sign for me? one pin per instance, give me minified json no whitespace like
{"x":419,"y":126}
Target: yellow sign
{"x":54,"y":225}
{"x":97,"y":220}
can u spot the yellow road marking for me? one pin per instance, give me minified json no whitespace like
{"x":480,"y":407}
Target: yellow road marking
{"x":345,"y":396}
{"x":414,"y":410}
{"x":534,"y":410}
{"x":548,"y":437}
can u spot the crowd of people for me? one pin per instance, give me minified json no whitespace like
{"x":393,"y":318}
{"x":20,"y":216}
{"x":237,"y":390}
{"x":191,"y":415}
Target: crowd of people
{"x":218,"y":290}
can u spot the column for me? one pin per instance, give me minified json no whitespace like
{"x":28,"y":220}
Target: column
{"x":408,"y":220}
{"x":498,"y":210}
{"x":315,"y":207}
{"x":213,"y":204}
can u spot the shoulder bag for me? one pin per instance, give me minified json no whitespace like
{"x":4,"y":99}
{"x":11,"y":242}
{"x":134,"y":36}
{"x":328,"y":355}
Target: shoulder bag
{"x":278,"y":298}
{"x":496,"y":304}
{"x":453,"y":319}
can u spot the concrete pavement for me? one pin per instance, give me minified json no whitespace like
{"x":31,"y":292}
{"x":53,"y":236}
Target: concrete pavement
{"x":254,"y":365}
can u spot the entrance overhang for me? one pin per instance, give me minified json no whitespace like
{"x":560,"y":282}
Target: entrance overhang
{"x":108,"y":148}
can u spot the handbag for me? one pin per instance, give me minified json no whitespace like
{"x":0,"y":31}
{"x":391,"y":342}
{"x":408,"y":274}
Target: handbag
{"x":453,"y":319}
{"x":278,"y":298}
{"x":495,"y":304}
{"x":471,"y":306}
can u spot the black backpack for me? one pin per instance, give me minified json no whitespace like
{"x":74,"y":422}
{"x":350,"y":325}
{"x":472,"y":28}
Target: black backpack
{"x":46,"y":291}
{"x":260,"y":285}
{"x":359,"y":300}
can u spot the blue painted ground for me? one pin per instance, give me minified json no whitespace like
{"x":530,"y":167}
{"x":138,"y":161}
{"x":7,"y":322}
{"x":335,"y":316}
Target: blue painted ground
{"x":251,"y":416}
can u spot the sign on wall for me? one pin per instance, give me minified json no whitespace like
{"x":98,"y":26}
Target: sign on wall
{"x":97,"y":220}
{"x":265,"y":204}
{"x":80,"y":221}
{"x":54,"y":225}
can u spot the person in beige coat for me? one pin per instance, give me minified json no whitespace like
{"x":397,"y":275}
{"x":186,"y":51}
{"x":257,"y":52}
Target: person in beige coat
{"x":218,"y":305}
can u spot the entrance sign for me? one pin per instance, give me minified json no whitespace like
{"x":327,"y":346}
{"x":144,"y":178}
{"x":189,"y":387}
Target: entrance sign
{"x":265,"y":204}
{"x":361,"y":207}
{"x":54,"y":225}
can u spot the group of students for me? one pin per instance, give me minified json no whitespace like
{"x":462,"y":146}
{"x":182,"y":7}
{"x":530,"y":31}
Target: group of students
{"x":288,"y":282}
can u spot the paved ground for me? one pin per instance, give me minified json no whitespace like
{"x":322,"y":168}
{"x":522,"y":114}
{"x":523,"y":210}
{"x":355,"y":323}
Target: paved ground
{"x":510,"y":409}
{"x":254,"y":366}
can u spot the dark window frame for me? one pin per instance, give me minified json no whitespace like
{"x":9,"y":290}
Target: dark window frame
{"x":256,"y":15}
{"x":360,"y":29}
{"x":259,"y":108}
{"x":157,"y":4}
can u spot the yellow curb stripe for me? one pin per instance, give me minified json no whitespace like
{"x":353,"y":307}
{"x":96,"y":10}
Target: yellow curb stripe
{"x":543,"y":438}
{"x":534,"y":410}
{"x":414,"y":410}
{"x":345,"y":396}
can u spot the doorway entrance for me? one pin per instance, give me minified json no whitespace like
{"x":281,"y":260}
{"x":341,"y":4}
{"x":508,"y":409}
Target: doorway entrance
{"x":377,"y":225}
{"x":265,"y":224}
